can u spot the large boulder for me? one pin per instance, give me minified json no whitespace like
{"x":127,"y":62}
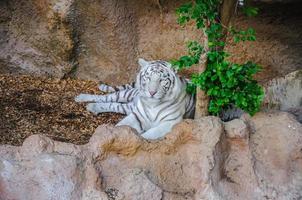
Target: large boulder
{"x":285,"y":93}
{"x":267,"y":164}
{"x":250,"y":158}
{"x":44,"y":169}
{"x":276,"y":146}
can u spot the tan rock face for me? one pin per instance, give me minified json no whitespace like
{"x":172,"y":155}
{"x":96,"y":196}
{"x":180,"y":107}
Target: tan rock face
{"x":102,"y":40}
{"x":36,"y":37}
{"x":236,"y":129}
{"x":99,"y":40}
{"x":114,"y":34}
{"x":278,"y":164}
{"x":277,"y":32}
{"x":194,"y":161}
{"x":107,"y":33}
{"x":285,"y":92}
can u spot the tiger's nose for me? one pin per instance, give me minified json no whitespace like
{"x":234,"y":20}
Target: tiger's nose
{"x":152,"y":93}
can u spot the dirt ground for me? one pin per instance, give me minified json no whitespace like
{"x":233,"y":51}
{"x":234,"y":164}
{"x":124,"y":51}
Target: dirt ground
{"x":30,"y":105}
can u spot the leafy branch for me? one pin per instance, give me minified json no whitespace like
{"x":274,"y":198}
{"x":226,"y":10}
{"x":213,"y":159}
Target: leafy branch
{"x":224,"y":82}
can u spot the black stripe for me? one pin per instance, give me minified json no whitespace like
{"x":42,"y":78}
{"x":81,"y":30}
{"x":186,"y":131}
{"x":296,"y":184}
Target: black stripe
{"x":192,"y":102}
{"x":145,"y":112}
{"x":177,"y":99}
{"x":129,"y":95}
{"x":124,"y":96}
{"x":140,"y":79}
{"x":166,"y":107}
{"x":128,"y":107}
{"x":131,"y":107}
{"x":173,"y":118}
{"x":188,"y":104}
{"x":136,"y":91}
{"x":141,"y":113}
{"x":140,"y":123}
{"x":133,"y":84}
{"x":122,"y":106}
{"x":117,"y":96}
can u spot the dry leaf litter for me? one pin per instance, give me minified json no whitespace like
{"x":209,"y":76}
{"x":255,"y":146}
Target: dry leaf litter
{"x":31,"y":105}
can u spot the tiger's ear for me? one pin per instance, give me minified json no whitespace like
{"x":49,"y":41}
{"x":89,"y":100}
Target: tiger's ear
{"x":143,"y":63}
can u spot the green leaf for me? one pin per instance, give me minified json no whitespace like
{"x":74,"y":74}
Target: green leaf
{"x":236,"y":39}
{"x":225,"y":82}
{"x":250,"y":11}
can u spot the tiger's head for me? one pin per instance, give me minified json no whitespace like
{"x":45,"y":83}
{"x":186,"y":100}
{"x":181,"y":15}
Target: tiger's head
{"x":156,"y":79}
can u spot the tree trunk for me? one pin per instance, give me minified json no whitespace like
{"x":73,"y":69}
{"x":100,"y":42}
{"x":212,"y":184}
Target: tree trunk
{"x":202,"y":100}
{"x":226,"y":13}
{"x":202,"y":104}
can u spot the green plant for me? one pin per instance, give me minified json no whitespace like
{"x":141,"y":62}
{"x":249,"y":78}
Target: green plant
{"x":224,"y":82}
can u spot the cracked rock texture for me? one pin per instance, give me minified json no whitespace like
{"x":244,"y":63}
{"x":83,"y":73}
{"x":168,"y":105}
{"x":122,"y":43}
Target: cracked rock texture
{"x":36,"y":37}
{"x":88,"y":39}
{"x":248,"y":158}
{"x":285,"y":93}
{"x":102,"y":40}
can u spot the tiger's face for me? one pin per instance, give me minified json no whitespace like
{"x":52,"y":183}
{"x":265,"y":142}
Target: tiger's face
{"x":156,"y":79}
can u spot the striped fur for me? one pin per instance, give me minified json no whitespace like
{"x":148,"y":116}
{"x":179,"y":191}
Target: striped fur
{"x":107,"y":88}
{"x":153,"y":104}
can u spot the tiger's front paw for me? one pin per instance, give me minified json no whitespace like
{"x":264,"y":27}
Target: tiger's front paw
{"x":152,"y":134}
{"x":92,"y":107}
{"x":82,"y":98}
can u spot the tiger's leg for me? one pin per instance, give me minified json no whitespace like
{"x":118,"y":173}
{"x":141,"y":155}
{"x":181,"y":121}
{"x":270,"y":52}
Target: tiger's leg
{"x":122,"y":96}
{"x":133,"y":121}
{"x":97,"y":108}
{"x":108,"y":88}
{"x":160,"y":130}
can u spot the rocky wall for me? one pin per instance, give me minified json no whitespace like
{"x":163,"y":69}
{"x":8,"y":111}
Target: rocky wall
{"x":248,"y":158}
{"x":102,"y":40}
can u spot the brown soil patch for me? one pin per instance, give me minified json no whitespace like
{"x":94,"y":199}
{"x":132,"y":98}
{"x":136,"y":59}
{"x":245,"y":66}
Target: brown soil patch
{"x":30,"y":105}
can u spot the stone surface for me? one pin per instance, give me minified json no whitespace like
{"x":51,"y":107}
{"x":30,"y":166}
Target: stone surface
{"x":194,"y":161}
{"x":267,"y":164}
{"x":276,"y":146}
{"x":236,"y":129}
{"x":44,"y":169}
{"x":102,"y":40}
{"x":276,"y":48}
{"x":36,"y":37}
{"x":98,"y":40}
{"x":285,"y":92}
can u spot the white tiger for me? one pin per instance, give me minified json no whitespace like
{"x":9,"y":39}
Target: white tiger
{"x":153,"y":104}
